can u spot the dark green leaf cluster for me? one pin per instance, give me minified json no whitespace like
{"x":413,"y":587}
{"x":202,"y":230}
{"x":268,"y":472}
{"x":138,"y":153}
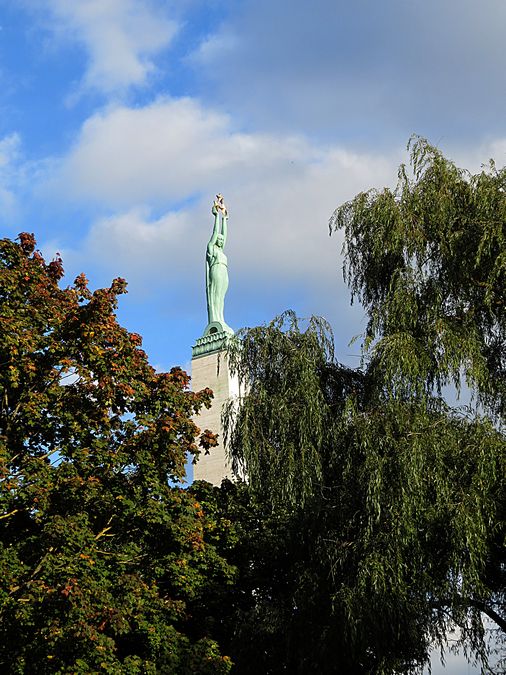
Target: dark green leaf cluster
{"x":428,"y":262}
{"x":282,"y":453}
{"x":383,"y":504}
{"x":374,"y":552}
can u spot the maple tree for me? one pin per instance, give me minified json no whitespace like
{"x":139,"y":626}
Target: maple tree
{"x":102,"y":551}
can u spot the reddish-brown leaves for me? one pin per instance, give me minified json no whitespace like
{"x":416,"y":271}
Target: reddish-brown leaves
{"x":27,"y":242}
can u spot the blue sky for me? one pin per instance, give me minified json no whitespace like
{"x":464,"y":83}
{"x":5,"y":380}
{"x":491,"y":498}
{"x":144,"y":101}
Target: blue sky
{"x":121,"y":119}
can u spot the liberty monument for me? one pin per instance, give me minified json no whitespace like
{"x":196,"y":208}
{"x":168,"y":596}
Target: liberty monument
{"x":209,"y":358}
{"x":217,"y":270}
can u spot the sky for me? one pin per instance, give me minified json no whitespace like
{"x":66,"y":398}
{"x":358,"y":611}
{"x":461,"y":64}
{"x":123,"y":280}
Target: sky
{"x":121,"y":119}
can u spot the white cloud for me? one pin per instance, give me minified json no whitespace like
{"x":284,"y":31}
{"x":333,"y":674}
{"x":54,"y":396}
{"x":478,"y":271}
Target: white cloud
{"x":11,"y":170}
{"x":177,"y":154}
{"x":213,"y":47}
{"x":164,"y":150}
{"x":174,"y":148}
{"x":370,"y":71}
{"x":121,"y":38}
{"x":9,"y":149}
{"x":473,"y":158}
{"x":155,"y":169}
{"x":138,"y":245}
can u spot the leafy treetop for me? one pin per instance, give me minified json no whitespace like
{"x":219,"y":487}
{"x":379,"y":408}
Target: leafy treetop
{"x":102,"y":554}
{"x":428,"y":262}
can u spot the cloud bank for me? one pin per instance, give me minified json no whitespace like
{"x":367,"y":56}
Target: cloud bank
{"x":157,"y":169}
{"x":367,"y":72}
{"x":121,"y":38}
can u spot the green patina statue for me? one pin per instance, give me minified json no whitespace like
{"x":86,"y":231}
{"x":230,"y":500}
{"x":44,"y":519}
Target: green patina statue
{"x":216,"y":270}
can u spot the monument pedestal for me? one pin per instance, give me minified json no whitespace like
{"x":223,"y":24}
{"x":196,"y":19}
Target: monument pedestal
{"x":210,"y":369}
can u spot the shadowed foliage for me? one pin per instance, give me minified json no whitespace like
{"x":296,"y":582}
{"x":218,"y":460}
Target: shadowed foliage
{"x":383,"y":501}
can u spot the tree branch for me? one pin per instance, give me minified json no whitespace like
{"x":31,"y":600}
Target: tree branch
{"x":477,"y":604}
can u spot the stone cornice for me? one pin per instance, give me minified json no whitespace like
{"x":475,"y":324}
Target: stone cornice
{"x":210,"y":343}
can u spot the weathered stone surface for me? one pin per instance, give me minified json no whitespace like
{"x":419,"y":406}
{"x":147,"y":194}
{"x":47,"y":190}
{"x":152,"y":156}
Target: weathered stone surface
{"x":211,"y":370}
{"x":210,"y":343}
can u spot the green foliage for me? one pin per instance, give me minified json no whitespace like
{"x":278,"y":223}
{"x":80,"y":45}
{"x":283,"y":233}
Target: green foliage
{"x":383,"y":506}
{"x":282,"y":453}
{"x":102,"y":553}
{"x":252,"y":619}
{"x":373,"y":518}
{"x":387,"y":543}
{"x":428,"y":263}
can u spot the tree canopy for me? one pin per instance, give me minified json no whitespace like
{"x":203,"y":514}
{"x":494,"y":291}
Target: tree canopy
{"x":103,"y":555}
{"x":373,"y":516}
{"x":428,"y":263}
{"x":388,"y":496}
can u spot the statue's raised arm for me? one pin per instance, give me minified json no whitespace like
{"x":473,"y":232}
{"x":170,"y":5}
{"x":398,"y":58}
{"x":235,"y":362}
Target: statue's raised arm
{"x":217,"y":270}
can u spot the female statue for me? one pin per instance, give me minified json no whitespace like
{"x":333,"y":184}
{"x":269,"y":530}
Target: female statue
{"x":216,"y":269}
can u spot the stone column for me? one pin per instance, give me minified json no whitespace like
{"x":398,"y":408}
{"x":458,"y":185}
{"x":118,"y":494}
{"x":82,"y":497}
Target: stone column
{"x":210,"y":369}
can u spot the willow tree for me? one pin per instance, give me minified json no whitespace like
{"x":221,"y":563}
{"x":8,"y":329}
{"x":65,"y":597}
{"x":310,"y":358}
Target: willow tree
{"x":390,"y":498}
{"x":428,"y":263}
